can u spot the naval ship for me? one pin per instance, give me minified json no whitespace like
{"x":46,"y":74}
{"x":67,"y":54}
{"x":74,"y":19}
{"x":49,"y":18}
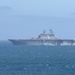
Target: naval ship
{"x":44,"y":39}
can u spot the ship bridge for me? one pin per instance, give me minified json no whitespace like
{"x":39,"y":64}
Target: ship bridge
{"x":47,"y":36}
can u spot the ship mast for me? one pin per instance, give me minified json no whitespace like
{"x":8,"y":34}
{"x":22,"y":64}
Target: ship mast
{"x":51,"y":33}
{"x":44,"y":32}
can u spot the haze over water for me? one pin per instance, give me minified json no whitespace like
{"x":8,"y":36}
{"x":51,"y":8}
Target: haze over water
{"x":28,"y":18}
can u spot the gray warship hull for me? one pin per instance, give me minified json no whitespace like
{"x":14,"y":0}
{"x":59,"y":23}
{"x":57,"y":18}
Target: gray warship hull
{"x":44,"y":39}
{"x":43,"y":42}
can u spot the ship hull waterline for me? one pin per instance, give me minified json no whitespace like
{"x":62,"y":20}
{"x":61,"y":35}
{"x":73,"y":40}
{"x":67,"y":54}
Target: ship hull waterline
{"x":43,"y":42}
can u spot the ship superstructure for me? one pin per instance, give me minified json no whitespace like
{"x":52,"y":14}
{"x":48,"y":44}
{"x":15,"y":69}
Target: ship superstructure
{"x":44,"y":39}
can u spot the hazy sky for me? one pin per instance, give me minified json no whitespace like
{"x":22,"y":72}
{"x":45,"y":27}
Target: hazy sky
{"x":28,"y":18}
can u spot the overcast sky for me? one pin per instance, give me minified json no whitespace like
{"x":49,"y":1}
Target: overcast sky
{"x":28,"y":18}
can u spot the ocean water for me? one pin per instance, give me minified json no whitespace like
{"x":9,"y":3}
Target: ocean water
{"x":36,"y":60}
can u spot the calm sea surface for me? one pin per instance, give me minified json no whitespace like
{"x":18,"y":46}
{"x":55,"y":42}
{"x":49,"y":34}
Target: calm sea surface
{"x":36,"y":60}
